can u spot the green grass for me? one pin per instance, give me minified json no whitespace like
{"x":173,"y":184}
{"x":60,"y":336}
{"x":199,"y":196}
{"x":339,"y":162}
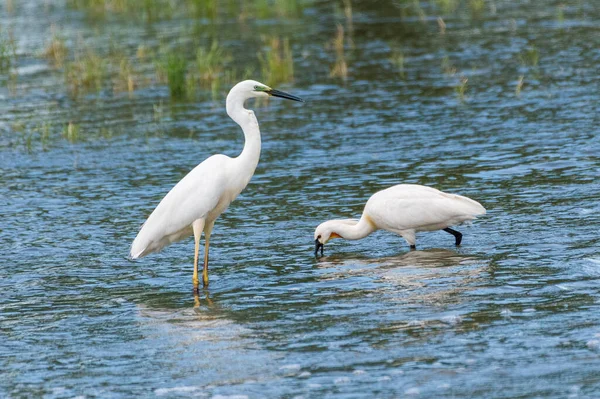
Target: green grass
{"x":461,"y":88}
{"x":529,"y":57}
{"x":210,"y":63}
{"x":448,"y":67}
{"x":56,"y":51}
{"x":156,"y":10}
{"x":44,"y":133}
{"x":149,"y":10}
{"x":397,"y":60}
{"x":172,"y":69}
{"x":519,"y":85}
{"x":39,"y":134}
{"x":8,"y":52}
{"x":340,"y":68}
{"x":71,"y":132}
{"x":125,"y":77}
{"x":276,"y":61}
{"x":447,"y":6}
{"x":476,"y":6}
{"x":560,"y":14}
{"x":86,"y":72}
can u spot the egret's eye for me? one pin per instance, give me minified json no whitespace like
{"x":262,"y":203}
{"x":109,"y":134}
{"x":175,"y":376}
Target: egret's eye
{"x":260,"y":88}
{"x":319,"y":236}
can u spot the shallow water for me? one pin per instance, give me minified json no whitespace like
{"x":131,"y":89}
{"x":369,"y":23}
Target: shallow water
{"x":513,"y":313}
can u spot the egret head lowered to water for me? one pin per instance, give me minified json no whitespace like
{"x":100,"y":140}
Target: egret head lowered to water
{"x":403,"y":209}
{"x":193,"y":205}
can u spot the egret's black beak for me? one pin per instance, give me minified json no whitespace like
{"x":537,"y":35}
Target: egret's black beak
{"x":317,"y":246}
{"x":277,"y":93}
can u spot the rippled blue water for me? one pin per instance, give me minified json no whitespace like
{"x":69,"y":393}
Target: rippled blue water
{"x":513,"y":313}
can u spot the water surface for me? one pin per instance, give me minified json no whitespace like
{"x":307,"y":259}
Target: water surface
{"x":513,"y":313}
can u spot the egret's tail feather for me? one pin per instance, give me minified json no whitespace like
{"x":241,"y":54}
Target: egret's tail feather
{"x":471,"y":207}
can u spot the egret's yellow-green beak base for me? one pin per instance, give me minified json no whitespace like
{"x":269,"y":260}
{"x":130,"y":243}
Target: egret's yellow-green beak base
{"x":318,"y":246}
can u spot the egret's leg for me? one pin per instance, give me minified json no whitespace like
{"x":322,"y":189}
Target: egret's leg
{"x":413,"y":247}
{"x":197,"y":226}
{"x":207,"y":233}
{"x":205,"y":268}
{"x":457,"y":235}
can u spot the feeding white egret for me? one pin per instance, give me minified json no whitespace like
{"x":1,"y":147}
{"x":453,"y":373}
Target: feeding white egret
{"x":403,"y":209}
{"x":193,"y":205}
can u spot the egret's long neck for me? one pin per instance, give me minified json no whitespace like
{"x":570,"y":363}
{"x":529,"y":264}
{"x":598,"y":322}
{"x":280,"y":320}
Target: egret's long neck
{"x":354,"y":231}
{"x":250,"y":155}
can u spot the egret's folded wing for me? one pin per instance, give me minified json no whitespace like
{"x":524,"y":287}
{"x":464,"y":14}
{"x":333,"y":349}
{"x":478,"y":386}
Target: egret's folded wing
{"x":192,"y":198}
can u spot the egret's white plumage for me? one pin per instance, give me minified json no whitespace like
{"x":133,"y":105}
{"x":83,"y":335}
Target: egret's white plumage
{"x":193,"y":205}
{"x":404,"y":209}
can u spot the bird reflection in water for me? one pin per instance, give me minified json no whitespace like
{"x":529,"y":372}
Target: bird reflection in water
{"x":431,"y":276}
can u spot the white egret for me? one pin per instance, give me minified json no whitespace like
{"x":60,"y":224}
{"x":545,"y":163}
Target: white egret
{"x":193,"y":205}
{"x":403,"y":209}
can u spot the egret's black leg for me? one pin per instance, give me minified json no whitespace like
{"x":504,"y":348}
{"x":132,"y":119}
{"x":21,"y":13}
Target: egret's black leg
{"x":456,"y":235}
{"x":413,"y":247}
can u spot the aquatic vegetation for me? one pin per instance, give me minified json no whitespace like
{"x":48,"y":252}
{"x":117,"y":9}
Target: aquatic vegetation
{"x":448,"y":67}
{"x":461,"y":88}
{"x":441,"y":25}
{"x":172,"y":69}
{"x":106,"y":132}
{"x":476,"y":6}
{"x":86,"y":72}
{"x":265,"y":9}
{"x":124,"y":80}
{"x":519,"y":85}
{"x":44,"y":133}
{"x":142,"y":52}
{"x":560,"y":13}
{"x":447,"y":6}
{"x":397,"y":60}
{"x":8,"y":52}
{"x":410,"y":8}
{"x":529,"y":57}
{"x":142,"y":9}
{"x":191,"y":85}
{"x":155,"y":10}
{"x":158,"y":111}
{"x":56,"y":51}
{"x":210,"y":63}
{"x":276,"y":61}
{"x":288,"y":8}
{"x":348,"y":15}
{"x":340,"y":68}
{"x":38,"y":134}
{"x":71,"y":132}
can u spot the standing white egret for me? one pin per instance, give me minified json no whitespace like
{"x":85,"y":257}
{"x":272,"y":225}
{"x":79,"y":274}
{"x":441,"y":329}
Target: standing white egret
{"x":403,"y":209}
{"x":193,"y":205}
